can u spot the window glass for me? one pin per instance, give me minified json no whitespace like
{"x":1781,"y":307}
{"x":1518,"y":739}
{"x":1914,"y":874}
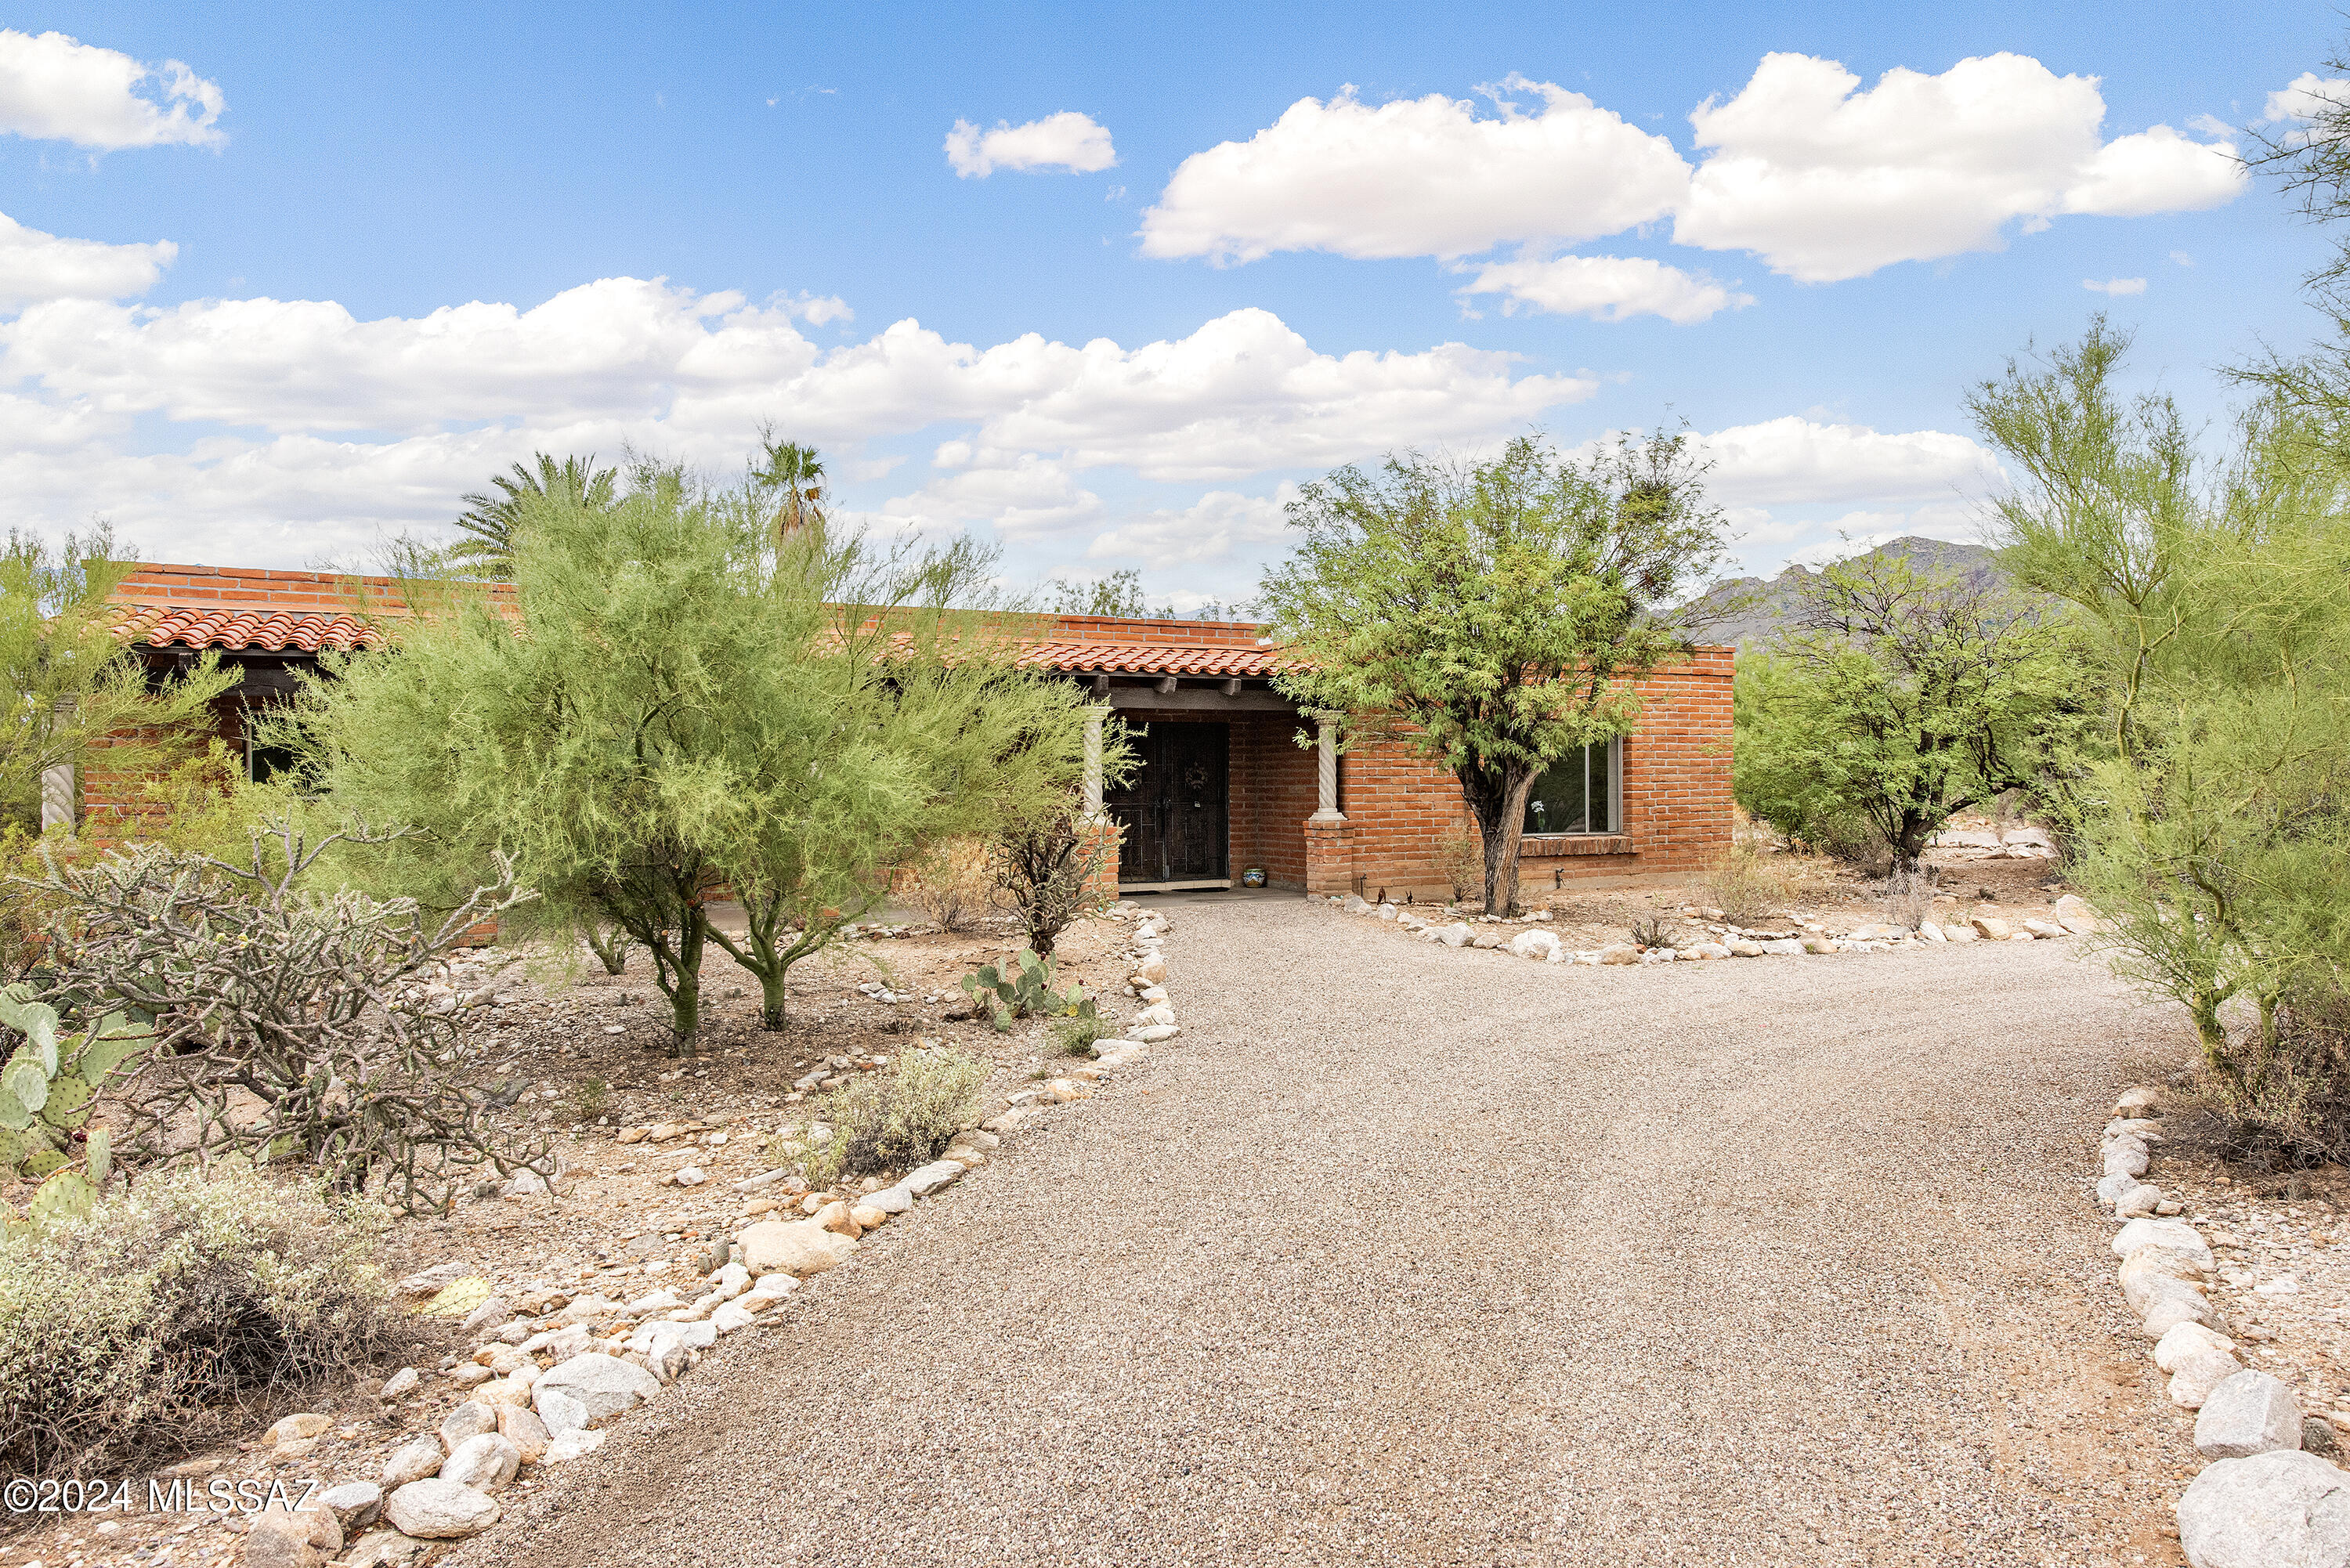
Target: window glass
{"x":1574,"y":795}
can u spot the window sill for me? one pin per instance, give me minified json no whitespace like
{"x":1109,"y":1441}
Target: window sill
{"x":1537,"y":846}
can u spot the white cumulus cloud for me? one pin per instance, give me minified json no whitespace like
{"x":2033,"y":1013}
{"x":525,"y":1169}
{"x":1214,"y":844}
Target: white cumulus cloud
{"x":2307,"y":97}
{"x":1067,"y":140}
{"x":2114,"y":287}
{"x":37,"y":267}
{"x":1428,"y":176}
{"x":1827,"y":182}
{"x":1221,"y":525}
{"x":323,"y":427}
{"x":54,"y":87}
{"x":1793,"y":460}
{"x":1605,"y":288}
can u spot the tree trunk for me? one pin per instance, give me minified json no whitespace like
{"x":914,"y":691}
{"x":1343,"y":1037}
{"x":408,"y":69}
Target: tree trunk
{"x":610,"y":946}
{"x":1499,"y":804}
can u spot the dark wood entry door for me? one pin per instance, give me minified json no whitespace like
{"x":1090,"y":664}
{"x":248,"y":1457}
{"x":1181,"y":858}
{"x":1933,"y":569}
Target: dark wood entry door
{"x":1175,"y":809}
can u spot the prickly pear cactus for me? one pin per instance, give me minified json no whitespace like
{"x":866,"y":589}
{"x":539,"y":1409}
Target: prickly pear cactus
{"x":47,"y":1088}
{"x":1023,"y":989}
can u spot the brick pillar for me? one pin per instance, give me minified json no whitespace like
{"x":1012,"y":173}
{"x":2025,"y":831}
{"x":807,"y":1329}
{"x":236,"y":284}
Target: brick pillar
{"x":1101,"y":828}
{"x":1329,"y":856}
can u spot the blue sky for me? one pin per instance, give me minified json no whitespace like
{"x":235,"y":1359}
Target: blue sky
{"x":339,"y":264}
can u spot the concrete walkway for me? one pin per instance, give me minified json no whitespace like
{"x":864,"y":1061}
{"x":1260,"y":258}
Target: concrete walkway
{"x":1401,"y":1254}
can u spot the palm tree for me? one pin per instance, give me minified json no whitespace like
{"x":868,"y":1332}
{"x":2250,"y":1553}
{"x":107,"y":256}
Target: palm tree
{"x":794,"y":468}
{"x":492,"y":519}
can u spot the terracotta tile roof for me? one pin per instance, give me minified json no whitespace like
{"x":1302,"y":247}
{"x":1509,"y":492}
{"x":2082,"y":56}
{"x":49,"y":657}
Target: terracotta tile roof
{"x":274,"y":631}
{"x":1149,"y":659}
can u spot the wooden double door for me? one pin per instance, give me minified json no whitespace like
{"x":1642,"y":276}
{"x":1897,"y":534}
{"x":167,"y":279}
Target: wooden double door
{"x":1175,"y":811}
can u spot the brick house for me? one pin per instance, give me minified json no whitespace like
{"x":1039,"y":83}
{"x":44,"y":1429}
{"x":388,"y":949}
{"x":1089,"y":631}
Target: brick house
{"x":1223,"y":787}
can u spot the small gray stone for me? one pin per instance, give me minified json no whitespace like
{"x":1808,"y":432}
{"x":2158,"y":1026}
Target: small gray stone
{"x":492,"y":1310}
{"x":2250,"y":1413}
{"x":355,"y":1503}
{"x":890,"y":1199}
{"x":470,"y":1420}
{"x":438,"y":1510}
{"x":2284,"y":1509}
{"x":931,"y":1178}
{"x":2317,"y":1434}
{"x":402,"y":1383}
{"x":413,"y":1460}
{"x":605,"y":1384}
{"x":385,"y":1549}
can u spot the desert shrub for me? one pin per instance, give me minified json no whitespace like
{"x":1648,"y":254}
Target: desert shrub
{"x":168,"y":1317}
{"x":288,"y":1027}
{"x":954,"y":883}
{"x":1745,"y":886}
{"x":1076,"y":1036}
{"x":900,"y":1118}
{"x":1048,"y":875}
{"x":1461,"y":856}
{"x":1655,"y":932}
{"x":1850,"y":838}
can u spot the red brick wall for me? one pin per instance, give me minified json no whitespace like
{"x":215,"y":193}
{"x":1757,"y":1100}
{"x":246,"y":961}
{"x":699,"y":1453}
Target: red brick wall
{"x":118,"y":805}
{"x":1674,"y":817}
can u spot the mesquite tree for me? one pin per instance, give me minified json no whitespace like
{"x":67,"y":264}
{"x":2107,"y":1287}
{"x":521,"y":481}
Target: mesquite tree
{"x":1492,"y":614}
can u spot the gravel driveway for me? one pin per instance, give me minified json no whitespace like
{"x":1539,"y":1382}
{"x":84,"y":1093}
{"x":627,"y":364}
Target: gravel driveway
{"x":1410,"y":1255}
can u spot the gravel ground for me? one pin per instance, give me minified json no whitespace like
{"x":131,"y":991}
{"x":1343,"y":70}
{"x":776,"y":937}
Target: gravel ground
{"x":1408,"y":1254}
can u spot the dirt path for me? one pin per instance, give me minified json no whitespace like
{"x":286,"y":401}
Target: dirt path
{"x":1410,"y":1255}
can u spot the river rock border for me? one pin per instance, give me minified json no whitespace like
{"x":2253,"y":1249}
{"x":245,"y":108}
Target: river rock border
{"x":2262,"y":1502}
{"x":539,"y":1386}
{"x":1726,"y":939}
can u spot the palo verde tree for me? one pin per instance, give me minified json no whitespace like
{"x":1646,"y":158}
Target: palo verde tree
{"x":687,"y":697}
{"x":2211,"y":585}
{"x":1904,"y":697}
{"x":1492,"y":614}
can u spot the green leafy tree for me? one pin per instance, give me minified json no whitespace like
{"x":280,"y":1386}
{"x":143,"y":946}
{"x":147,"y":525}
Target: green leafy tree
{"x":689,"y":698}
{"x":1118,"y":594}
{"x":1903,"y":697}
{"x":72,"y":682}
{"x":2213,"y":830}
{"x":490,"y":522}
{"x":1493,"y":615}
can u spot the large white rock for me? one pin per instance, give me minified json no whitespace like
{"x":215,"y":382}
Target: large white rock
{"x":2183,"y":1340}
{"x":441,"y":1510}
{"x":354,"y":1504}
{"x":525,"y":1431}
{"x":2074,"y":915}
{"x":897,"y":1200}
{"x":2175,"y":1238}
{"x":1456,"y":935}
{"x":485,"y":1463}
{"x":606,"y":1385}
{"x":2199,"y":1374}
{"x":2110,"y":1188}
{"x":1535,"y":944}
{"x":413,"y":1460}
{"x":800,"y":1247}
{"x":2126,"y":1157}
{"x":2281,"y":1509}
{"x":560,"y":1411}
{"x":2149,"y":1277}
{"x":2139,"y":1202}
{"x":2250,"y":1413}
{"x":1157,"y":1015}
{"x":2169,"y":1314}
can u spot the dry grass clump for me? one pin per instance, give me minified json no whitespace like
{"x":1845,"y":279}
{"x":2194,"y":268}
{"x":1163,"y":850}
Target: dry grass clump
{"x":900,"y":1118}
{"x":171,"y":1316}
{"x":954,"y":885}
{"x":1747,"y":884}
{"x":1908,"y":897}
{"x":1461,"y":858}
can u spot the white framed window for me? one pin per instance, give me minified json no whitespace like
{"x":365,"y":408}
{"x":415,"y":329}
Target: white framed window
{"x":1580,"y":792}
